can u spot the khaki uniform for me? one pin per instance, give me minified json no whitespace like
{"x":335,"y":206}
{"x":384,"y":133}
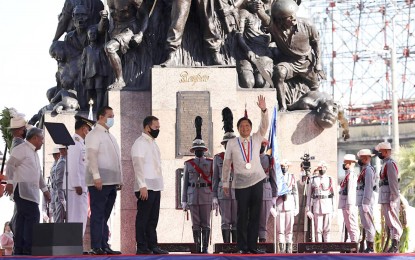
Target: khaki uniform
{"x":347,"y":203}
{"x":389,"y":191}
{"x":227,"y":204}
{"x":269,"y":191}
{"x":366,"y":184}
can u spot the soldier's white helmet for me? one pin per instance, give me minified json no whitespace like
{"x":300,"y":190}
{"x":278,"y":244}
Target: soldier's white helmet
{"x":349,"y":157}
{"x":383,"y":146}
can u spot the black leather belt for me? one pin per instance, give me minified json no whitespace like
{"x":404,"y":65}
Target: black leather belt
{"x":230,"y":179}
{"x":343,"y":192}
{"x":363,"y":187}
{"x":323,"y":196}
{"x":383,"y":183}
{"x":200,"y":185}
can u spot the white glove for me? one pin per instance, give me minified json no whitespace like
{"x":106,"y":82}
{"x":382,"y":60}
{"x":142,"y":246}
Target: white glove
{"x":365,"y":208}
{"x":310,"y":215}
{"x":64,"y":205}
{"x":296,"y":211}
{"x":274,"y":200}
{"x":215,"y":203}
{"x":274,"y":212}
{"x":393,"y":204}
{"x":45,"y":217}
{"x":184,"y":206}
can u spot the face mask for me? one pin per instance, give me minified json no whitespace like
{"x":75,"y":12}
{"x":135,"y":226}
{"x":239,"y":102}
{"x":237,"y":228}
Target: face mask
{"x":381,"y":156}
{"x":199,"y":153}
{"x":283,"y":169}
{"x":154,"y":132}
{"x":110,"y":122}
{"x":344,"y":167}
{"x":321,"y":172}
{"x":262,"y":149}
{"x":360,"y":162}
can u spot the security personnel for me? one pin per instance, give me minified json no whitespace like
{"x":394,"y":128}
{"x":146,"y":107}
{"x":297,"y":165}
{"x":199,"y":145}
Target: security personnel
{"x":269,"y":193}
{"x":77,"y":189}
{"x":365,"y":197}
{"x":59,"y":201}
{"x":287,"y":207}
{"x":347,"y":198}
{"x":226,"y":204}
{"x":320,"y":193}
{"x":197,"y":192}
{"x":389,"y":194}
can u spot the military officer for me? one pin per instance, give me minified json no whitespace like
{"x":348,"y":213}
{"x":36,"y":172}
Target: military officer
{"x":226,"y":204}
{"x":287,"y":207}
{"x":58,"y":187}
{"x":389,"y":194}
{"x":347,"y":197}
{"x":269,"y":193}
{"x":197,"y":191}
{"x":77,"y":189}
{"x":320,"y":193}
{"x":365,"y":196}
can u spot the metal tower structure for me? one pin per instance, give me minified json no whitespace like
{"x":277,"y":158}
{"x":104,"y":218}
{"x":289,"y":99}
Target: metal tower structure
{"x":357,"y":38}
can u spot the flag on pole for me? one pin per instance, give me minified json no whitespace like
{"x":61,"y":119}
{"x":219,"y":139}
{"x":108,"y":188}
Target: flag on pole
{"x":282,"y":187}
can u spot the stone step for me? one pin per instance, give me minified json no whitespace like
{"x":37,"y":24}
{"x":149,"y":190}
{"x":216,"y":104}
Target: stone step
{"x":327,"y":247}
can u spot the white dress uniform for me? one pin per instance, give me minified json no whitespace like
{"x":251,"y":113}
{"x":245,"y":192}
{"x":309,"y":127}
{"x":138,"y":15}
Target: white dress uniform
{"x":77,"y":204}
{"x":320,"y":198}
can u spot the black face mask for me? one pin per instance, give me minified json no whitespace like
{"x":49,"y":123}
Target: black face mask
{"x":262,"y":149}
{"x":284,"y":170}
{"x":154,"y":132}
{"x":381,"y":156}
{"x":360,"y":162}
{"x":344,"y":167}
{"x":322,"y":172}
{"x":199,"y":153}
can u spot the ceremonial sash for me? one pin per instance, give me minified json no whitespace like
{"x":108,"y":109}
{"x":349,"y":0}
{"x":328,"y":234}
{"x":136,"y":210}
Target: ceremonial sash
{"x":201,"y":173}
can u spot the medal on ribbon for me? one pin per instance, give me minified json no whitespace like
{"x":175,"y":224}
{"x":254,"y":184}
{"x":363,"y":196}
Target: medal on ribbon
{"x":247,"y":158}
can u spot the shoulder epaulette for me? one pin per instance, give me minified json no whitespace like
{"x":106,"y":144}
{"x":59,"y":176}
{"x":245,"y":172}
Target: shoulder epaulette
{"x":209,"y":159}
{"x":189,"y":160}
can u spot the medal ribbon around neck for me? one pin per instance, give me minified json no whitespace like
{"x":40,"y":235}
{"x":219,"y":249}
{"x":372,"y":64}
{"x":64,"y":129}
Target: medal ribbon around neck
{"x":248,"y":158}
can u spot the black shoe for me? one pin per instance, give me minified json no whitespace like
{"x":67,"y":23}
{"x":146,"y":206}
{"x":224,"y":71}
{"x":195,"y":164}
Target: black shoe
{"x":159,"y":251}
{"x":97,"y":251}
{"x":109,"y":251}
{"x":256,"y":251}
{"x":243,"y":252}
{"x":144,"y":252}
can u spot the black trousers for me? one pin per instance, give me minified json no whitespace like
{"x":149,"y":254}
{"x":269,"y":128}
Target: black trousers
{"x":249,"y":202}
{"x":101,"y":204}
{"x":146,"y":220}
{"x":27,"y":214}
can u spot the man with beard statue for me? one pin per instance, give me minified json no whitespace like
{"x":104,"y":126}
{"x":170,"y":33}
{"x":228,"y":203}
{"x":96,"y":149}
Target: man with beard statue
{"x":320,"y":193}
{"x":197,"y":190}
{"x":226,"y":204}
{"x":389,"y":194}
{"x":365,"y":197}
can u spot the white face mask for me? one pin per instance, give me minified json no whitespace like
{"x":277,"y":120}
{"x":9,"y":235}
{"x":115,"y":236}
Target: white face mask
{"x":110,"y":122}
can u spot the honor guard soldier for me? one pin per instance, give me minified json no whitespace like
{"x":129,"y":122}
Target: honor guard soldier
{"x":389,"y":194}
{"x":347,"y":198}
{"x":77,"y":189}
{"x":227,"y":204}
{"x":287,"y":207}
{"x":269,"y":192}
{"x":56,"y":154}
{"x":365,"y":197}
{"x":320,"y":195}
{"x":197,"y":189}
{"x":58,"y":188}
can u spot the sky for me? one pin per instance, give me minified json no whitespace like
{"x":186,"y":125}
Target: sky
{"x":26,"y":69}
